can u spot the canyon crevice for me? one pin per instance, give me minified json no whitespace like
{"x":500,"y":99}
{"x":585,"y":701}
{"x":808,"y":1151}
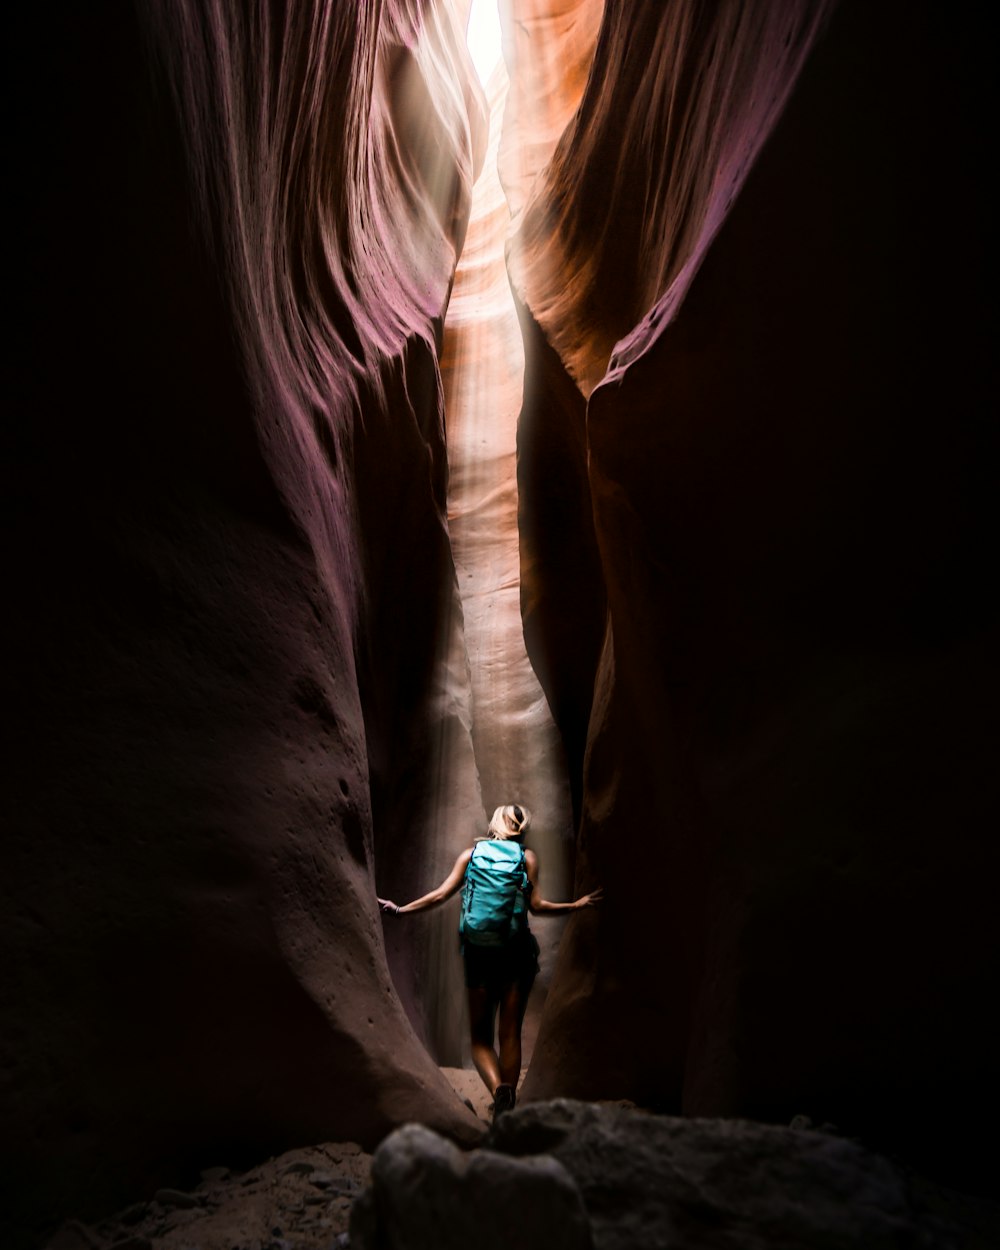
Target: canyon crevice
{"x":750,"y":255}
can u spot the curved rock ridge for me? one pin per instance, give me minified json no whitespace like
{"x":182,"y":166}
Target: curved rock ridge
{"x":780,"y":486}
{"x":548,"y":50}
{"x":677,"y":104}
{"x":230,"y":561}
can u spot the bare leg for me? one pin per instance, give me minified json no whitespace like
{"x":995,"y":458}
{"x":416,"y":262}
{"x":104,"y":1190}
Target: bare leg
{"x":512,"y":1006}
{"x":481,"y":1009}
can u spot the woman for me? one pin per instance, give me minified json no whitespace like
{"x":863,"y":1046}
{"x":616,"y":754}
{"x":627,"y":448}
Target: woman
{"x":501,"y":974}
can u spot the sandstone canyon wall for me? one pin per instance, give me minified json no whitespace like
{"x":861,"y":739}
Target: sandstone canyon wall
{"x":757,"y":426}
{"x":237,"y":231}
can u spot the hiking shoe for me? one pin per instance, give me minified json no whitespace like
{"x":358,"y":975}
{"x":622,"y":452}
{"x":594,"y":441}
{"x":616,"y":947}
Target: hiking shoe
{"x":503,"y":1100}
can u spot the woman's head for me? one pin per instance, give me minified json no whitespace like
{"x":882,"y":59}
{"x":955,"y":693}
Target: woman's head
{"x":510,"y":821}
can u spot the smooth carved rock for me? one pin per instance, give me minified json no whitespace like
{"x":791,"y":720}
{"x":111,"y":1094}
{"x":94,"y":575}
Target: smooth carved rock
{"x":427,"y":1195}
{"x":230,"y":387}
{"x":548,"y":47}
{"x":780,"y":483}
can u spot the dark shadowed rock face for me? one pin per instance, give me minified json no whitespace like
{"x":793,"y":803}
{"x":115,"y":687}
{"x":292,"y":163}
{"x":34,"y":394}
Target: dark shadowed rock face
{"x":785,"y":777}
{"x":427,"y":1192}
{"x":655,"y":1182}
{"x":229,"y":558}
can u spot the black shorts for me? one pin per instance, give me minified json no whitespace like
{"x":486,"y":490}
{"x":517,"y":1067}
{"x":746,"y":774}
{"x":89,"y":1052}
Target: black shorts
{"x":496,"y":968}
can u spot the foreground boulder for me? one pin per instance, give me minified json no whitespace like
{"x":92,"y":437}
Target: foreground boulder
{"x":653,"y":1181}
{"x":426,"y":1193}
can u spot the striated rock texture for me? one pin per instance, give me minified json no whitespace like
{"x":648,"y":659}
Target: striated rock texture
{"x":755,"y":276}
{"x":238,"y":227}
{"x":548,"y":46}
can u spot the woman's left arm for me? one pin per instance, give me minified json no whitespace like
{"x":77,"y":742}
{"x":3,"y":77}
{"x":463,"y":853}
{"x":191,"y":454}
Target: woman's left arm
{"x":541,"y":906}
{"x":444,"y":891}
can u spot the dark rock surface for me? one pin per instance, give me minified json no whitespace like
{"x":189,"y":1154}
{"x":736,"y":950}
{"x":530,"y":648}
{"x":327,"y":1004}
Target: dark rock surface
{"x":786,"y":767}
{"x":300,"y":1200}
{"x":237,"y":229}
{"x":658,"y":1183}
{"x":425,"y":1192}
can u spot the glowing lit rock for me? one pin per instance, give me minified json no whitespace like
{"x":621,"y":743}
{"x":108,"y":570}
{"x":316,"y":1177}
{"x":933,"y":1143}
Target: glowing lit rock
{"x":518,"y":752}
{"x":550,"y":45}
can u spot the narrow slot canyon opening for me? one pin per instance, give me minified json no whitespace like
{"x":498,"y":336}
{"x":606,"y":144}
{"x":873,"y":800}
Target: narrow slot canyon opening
{"x":516,"y":750}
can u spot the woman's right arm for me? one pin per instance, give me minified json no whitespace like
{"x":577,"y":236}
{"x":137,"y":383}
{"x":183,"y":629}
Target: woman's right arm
{"x":444,"y":891}
{"x":541,"y":906}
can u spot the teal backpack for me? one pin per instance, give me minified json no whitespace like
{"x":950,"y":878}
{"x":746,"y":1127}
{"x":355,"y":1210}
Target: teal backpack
{"x":494,"y":905}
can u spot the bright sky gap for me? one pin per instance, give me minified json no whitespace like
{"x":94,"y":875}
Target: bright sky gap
{"x":483,"y":37}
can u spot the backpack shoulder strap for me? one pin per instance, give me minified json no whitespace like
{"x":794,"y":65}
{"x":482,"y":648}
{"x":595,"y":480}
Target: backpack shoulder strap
{"x":523,"y":869}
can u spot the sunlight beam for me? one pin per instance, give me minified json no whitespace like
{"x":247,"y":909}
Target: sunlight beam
{"x":483,"y":38}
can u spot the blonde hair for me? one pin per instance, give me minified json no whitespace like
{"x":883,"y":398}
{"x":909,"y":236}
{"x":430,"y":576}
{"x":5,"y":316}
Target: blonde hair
{"x":509,"y":821}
